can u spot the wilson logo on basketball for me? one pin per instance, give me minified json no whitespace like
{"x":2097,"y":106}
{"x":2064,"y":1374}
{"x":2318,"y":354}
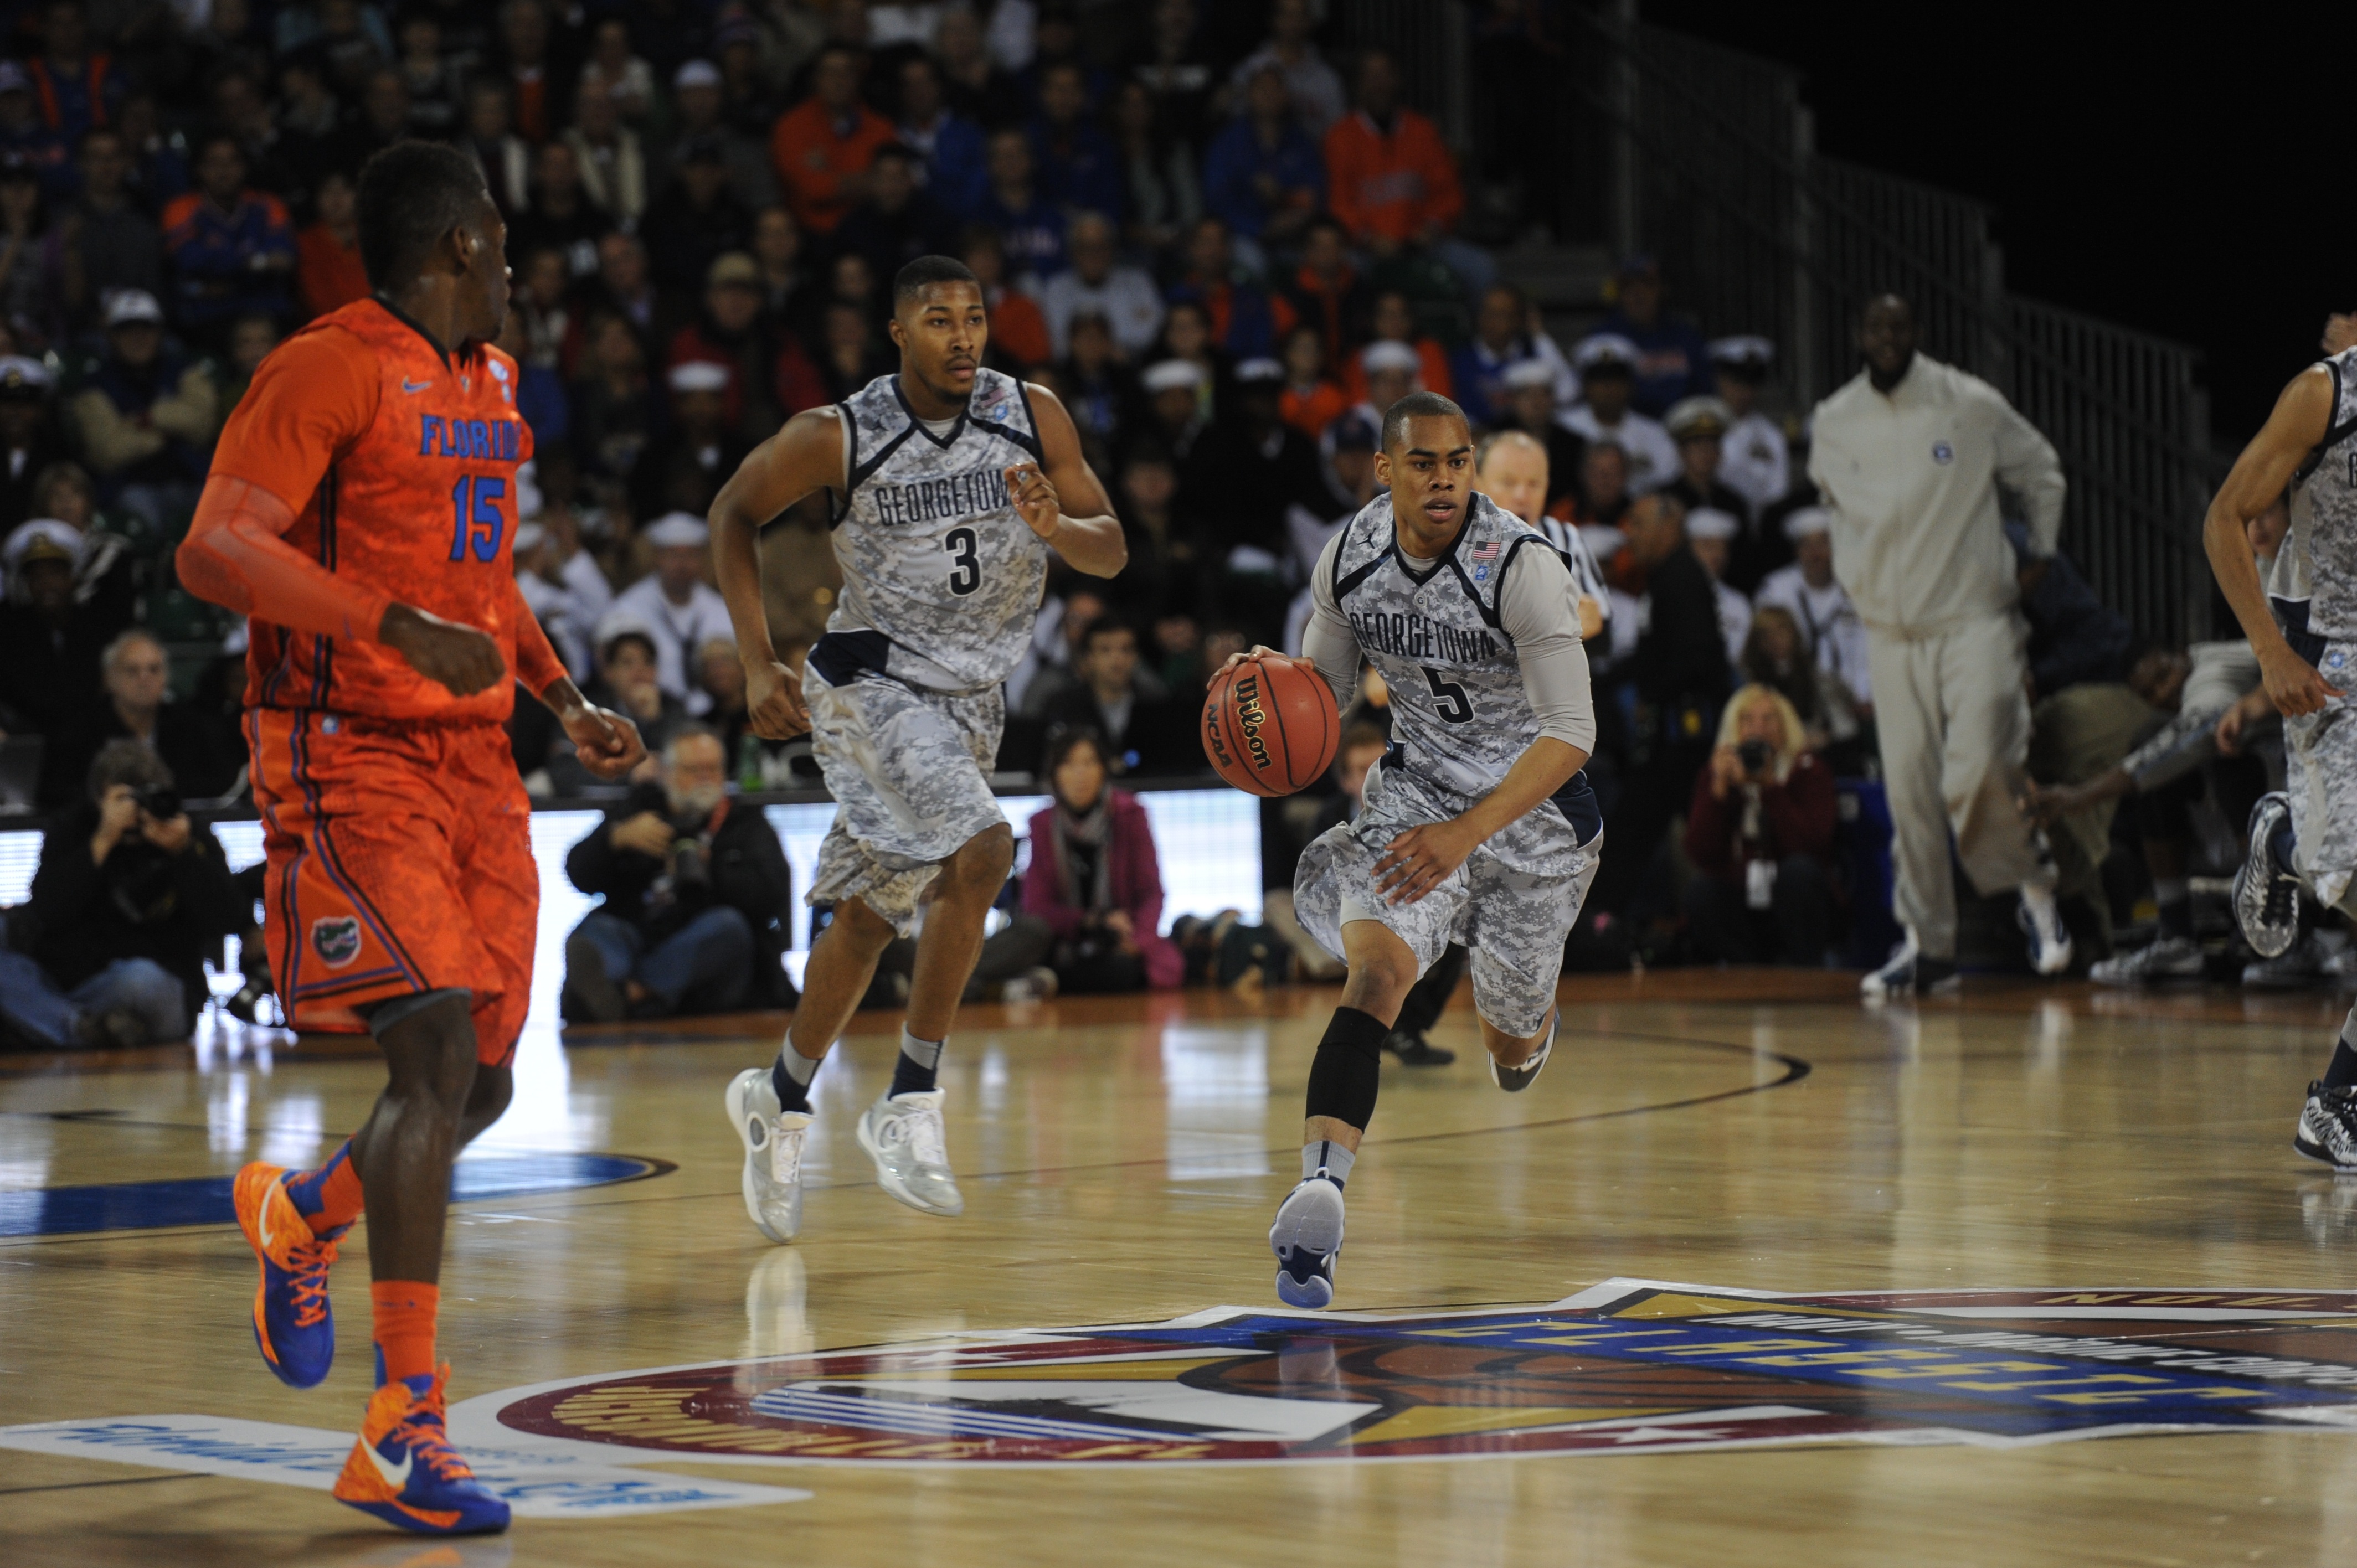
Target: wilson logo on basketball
{"x":1252,"y":717}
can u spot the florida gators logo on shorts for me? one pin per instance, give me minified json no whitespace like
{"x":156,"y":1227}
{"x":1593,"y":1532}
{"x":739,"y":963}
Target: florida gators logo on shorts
{"x":336,"y":938}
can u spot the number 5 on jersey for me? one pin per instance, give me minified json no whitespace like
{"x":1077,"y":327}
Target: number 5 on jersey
{"x":475,"y":517}
{"x":1449,"y":697}
{"x":965,"y":560}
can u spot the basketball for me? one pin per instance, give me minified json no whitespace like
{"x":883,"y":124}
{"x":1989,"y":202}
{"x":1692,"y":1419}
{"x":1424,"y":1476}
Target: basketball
{"x":1270,"y":727}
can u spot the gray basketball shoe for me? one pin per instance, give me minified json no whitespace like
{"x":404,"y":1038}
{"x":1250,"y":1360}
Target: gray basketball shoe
{"x":773,"y":1182}
{"x":903,"y":1135}
{"x":1514,"y":1080}
{"x":1307,"y":1235}
{"x":2327,"y":1126}
{"x":2267,"y":897}
{"x":2170,"y":958}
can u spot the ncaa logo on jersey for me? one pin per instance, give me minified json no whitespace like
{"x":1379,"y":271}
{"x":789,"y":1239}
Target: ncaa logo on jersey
{"x":336,"y":938}
{"x":1943,"y":453}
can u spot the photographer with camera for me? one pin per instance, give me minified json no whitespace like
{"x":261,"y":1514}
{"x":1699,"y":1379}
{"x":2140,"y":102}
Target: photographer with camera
{"x":130,"y":898}
{"x":698,"y":898}
{"x":1761,"y":832}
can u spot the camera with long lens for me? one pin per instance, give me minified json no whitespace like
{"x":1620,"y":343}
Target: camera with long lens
{"x":1754,"y":755}
{"x":160,"y":801}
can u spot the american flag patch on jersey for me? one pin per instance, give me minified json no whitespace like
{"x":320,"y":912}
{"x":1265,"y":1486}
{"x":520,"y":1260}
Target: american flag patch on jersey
{"x":1484,"y":551}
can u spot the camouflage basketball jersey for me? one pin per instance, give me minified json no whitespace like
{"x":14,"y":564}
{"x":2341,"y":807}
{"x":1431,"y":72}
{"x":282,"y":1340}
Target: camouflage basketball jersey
{"x":1460,"y":717}
{"x":2314,"y":584}
{"x":941,"y":577}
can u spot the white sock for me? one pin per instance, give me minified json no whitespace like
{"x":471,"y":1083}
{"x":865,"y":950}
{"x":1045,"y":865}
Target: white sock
{"x":2039,"y":898}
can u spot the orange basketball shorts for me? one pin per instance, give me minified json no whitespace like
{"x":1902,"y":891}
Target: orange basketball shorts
{"x":399,"y":861}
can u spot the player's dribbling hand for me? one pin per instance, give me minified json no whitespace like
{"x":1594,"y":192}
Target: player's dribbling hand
{"x":458,"y":658}
{"x":2293,"y":684}
{"x":606,"y":743}
{"x":773,"y":700}
{"x":1257,"y":651}
{"x":1421,"y":859}
{"x":1034,"y":496}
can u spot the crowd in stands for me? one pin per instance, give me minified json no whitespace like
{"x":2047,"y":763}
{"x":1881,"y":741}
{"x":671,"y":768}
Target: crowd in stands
{"x":1226,"y":241}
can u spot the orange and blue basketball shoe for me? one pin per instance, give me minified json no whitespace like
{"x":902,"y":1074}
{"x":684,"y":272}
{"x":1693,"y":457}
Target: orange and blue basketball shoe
{"x":292,"y":1322}
{"x":404,"y":1471}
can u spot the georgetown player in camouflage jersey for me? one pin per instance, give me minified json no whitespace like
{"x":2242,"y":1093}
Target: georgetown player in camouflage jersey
{"x":950,"y":485}
{"x":2302,"y":623}
{"x":1478,"y":825}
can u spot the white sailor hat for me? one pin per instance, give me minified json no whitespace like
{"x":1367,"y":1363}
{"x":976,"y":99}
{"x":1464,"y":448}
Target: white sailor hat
{"x":1694,"y":416}
{"x":695,"y":73}
{"x":1263,"y":368}
{"x":678,"y":530}
{"x":1709,"y":522}
{"x":620,"y":622}
{"x":1603,"y":538}
{"x":43,"y":538}
{"x":1531,"y":373}
{"x":1745,"y":349}
{"x":1601,"y":351}
{"x":1807,"y":521}
{"x":698,"y":376}
{"x":1389,"y":354}
{"x":1169,"y":375}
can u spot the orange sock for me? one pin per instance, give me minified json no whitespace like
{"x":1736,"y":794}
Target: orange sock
{"x":329,"y":1198}
{"x":404,"y":1326}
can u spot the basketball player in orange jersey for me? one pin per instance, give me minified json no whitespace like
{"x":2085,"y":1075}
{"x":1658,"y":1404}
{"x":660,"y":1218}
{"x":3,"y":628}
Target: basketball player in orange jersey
{"x":360,"y":511}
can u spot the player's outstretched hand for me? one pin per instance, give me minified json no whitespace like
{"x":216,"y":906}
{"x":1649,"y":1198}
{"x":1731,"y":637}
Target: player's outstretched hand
{"x":1034,"y":495}
{"x":2293,"y":684}
{"x":607,"y":743}
{"x":1421,"y":859}
{"x":773,"y":700}
{"x":458,"y":658}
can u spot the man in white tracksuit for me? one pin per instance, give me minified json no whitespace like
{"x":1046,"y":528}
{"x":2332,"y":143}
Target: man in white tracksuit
{"x":1908,"y":456}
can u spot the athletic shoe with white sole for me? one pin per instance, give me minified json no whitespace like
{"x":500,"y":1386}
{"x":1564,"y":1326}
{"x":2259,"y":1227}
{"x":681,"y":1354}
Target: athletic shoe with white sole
{"x":1307,"y":1235}
{"x":403,"y":1470}
{"x":902,"y":1133}
{"x":2327,"y":1126}
{"x":773,"y":1182}
{"x":2267,"y":897}
{"x":1909,"y":973}
{"x":2050,"y":942}
{"x":1514,"y":1080}
{"x":2170,"y":958}
{"x":2302,"y":967}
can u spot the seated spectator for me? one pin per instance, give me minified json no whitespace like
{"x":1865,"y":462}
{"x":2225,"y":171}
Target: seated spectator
{"x":1030,"y":228}
{"x":231,"y":249}
{"x":1049,"y":668}
{"x":28,"y":435}
{"x":1777,"y":655}
{"x":1097,"y":283}
{"x":1385,"y":371}
{"x":1174,"y":71}
{"x":720,"y":676}
{"x":1161,"y":570}
{"x":1604,"y":484}
{"x":491,"y":141}
{"x":699,"y":449}
{"x":1607,"y":367}
{"x":1528,"y":387}
{"x":22,"y":132}
{"x":976,"y":87}
{"x":1187,"y":337}
{"x":106,"y":579}
{"x":385,"y":114}
{"x":1263,"y":176}
{"x":823,"y":148}
{"x":1315,"y":88}
{"x":697,"y":100}
{"x":896,"y":221}
{"x":104,"y":243}
{"x":432,"y":81}
{"x":617,"y":72}
{"x":1822,"y":607}
{"x":948,"y":145}
{"x":1326,"y":292}
{"x":625,"y":286}
{"x":698,"y":898}
{"x":1394,"y":322}
{"x":560,"y":217}
{"x":1756,"y":460}
{"x":1079,"y":168}
{"x":851,"y":352}
{"x":612,"y":161}
{"x":1174,"y":400}
{"x":627,"y":682}
{"x":2074,"y":637}
{"x":50,"y":639}
{"x":76,"y":88}
{"x":729,"y":332}
{"x":1312,"y":400}
{"x":312,"y":138}
{"x":1697,"y":426}
{"x":136,"y":673}
{"x":1097,"y":389}
{"x":146,"y":414}
{"x":1246,"y":321}
{"x":1759,"y":833}
{"x":694,"y":219}
{"x":129,"y":900}
{"x":1506,"y":336}
{"x":1239,"y":491}
{"x":1671,"y":359}
{"x":1018,"y":330}
{"x":327,"y":270}
{"x":250,"y":340}
{"x":1120,"y":704}
{"x":26,"y":301}
{"x":1095,"y":879}
{"x":613,"y":405}
{"x":787,"y":285}
{"x":1157,"y":165}
{"x":1393,"y":181}
{"x":680,"y":609}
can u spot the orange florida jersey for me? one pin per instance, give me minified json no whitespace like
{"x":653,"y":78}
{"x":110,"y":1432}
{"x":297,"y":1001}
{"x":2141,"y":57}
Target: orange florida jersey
{"x":399,"y":463}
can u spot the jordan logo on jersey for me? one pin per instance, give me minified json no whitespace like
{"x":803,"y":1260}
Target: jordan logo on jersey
{"x":952,"y":495}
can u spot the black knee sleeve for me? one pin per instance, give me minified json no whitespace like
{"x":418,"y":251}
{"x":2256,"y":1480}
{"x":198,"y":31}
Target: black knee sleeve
{"x":1347,"y":1068}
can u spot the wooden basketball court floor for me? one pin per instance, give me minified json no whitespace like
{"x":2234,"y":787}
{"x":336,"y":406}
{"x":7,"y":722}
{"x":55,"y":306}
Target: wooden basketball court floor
{"x":1732,"y":1131}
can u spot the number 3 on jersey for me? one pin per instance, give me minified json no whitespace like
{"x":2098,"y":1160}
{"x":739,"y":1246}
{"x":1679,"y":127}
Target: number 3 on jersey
{"x":475,"y":517}
{"x":965,"y":560}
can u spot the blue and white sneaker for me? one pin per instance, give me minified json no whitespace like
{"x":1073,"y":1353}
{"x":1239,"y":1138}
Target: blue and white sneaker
{"x":1307,"y":1235}
{"x":1514,"y":1080}
{"x":2267,"y":897}
{"x":2050,"y":939}
{"x":1907,"y":972}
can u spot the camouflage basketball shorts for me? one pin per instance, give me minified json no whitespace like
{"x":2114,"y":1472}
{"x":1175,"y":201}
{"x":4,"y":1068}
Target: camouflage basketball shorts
{"x":1513,"y":902}
{"x":910,"y":773}
{"x":2320,"y":777}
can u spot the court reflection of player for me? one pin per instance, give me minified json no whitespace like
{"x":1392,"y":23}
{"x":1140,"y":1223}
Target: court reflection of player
{"x":375,"y":455}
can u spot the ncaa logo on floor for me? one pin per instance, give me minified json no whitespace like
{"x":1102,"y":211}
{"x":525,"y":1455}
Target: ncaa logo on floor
{"x":1630,"y":1365}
